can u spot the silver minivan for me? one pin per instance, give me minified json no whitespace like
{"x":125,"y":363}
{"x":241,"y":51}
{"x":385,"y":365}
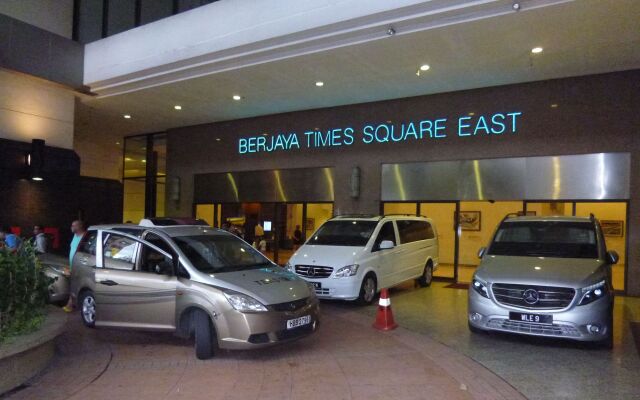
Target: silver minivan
{"x":190,"y":280}
{"x":545,"y":276}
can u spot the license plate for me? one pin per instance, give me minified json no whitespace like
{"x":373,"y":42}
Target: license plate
{"x":317,"y":285}
{"x":296,"y":322}
{"x":535,"y":318}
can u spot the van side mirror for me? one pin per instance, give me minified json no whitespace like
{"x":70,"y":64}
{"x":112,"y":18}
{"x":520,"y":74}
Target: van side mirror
{"x":386,"y":245}
{"x":612,"y":257}
{"x":481,"y":252}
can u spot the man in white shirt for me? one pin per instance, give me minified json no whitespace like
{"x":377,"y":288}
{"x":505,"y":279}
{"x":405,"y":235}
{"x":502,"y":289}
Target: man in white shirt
{"x":40,"y":239}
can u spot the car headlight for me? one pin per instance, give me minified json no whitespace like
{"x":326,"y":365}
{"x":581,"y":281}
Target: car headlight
{"x":349,"y":270}
{"x":243,"y":303}
{"x":480,"y":287}
{"x":593,"y":293}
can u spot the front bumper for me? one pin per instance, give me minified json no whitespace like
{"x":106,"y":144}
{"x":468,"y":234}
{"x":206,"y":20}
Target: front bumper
{"x":241,"y":331}
{"x":573,"y":323}
{"x":58,"y":289}
{"x":337,"y":288}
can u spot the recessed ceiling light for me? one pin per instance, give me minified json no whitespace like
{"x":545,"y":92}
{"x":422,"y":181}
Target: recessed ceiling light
{"x":424,"y":67}
{"x":127,"y":116}
{"x":265,"y":134}
{"x":319,"y":84}
{"x":537,"y":50}
{"x":217,"y":139}
{"x":471,"y":114}
{"x":117,"y":143}
{"x":177,"y":107}
{"x":128,"y":159}
{"x":237,"y":97}
{"x":144,"y":161}
{"x":554,"y":105}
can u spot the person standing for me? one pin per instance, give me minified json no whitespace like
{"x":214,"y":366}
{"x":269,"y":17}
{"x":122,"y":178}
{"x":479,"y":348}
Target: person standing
{"x":11,"y":241}
{"x":40,"y":239}
{"x":78,"y":229}
{"x":297,"y":238}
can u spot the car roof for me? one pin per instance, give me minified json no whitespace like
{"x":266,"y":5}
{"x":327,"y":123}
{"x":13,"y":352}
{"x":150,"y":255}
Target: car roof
{"x":376,"y":218}
{"x":548,"y":218}
{"x":172,"y":231}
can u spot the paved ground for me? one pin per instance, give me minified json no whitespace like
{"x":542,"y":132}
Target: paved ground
{"x":539,"y":368}
{"x":346,"y":359}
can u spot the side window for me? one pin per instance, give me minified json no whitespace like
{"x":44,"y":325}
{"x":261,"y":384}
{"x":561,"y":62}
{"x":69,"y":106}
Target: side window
{"x":119,"y":252}
{"x":152,"y":260}
{"x":412,"y":231}
{"x":430,"y":233}
{"x":386,"y":233}
{"x":88,"y":243}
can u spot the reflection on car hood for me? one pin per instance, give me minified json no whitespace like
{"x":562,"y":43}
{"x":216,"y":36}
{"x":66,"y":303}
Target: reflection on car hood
{"x":565,"y":272}
{"x":271,"y":285}
{"x":329,"y":256}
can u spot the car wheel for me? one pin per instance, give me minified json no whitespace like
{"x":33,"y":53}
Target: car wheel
{"x":368,"y":290}
{"x":88,"y":308}
{"x":204,"y":335}
{"x":427,"y":275}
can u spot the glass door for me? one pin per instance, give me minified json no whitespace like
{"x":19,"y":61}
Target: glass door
{"x":443,"y":216}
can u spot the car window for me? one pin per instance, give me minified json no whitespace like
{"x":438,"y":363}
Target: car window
{"x":344,"y":233}
{"x":88,"y":243}
{"x":119,"y":252}
{"x":153,"y":261}
{"x":386,"y":233}
{"x":546,"y":239}
{"x":414,"y":230}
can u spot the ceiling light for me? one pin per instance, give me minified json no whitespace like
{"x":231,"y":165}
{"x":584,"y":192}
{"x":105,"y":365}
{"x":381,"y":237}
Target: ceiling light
{"x":537,"y":50}
{"x":128,"y":159}
{"x":144,"y":161}
{"x":391,"y":31}
{"x":319,"y":84}
{"x":36,"y":178}
{"x":217,"y":139}
{"x":424,"y":67}
{"x":554,"y":105}
{"x":471,"y":114}
{"x":177,"y":107}
{"x":237,"y":97}
{"x":127,"y":116}
{"x":516,"y":6}
{"x":117,"y":143}
{"x":265,"y":134}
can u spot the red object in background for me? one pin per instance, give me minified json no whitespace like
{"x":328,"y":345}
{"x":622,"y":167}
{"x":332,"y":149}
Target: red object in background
{"x":16,"y":230}
{"x":384,"y":317}
{"x":55,"y":234}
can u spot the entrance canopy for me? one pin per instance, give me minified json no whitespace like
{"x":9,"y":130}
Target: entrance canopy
{"x":601,"y":176}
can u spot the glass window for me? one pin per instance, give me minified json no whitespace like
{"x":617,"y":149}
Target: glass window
{"x":119,"y":252}
{"x":387,"y":232}
{"x":153,"y":261}
{"x":220,"y":253}
{"x":412,"y":231}
{"x":344,"y":233}
{"x":88,"y":244}
{"x":546,"y":239}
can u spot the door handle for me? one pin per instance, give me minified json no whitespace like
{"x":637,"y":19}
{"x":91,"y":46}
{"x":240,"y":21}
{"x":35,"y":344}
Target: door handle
{"x":108,"y":283}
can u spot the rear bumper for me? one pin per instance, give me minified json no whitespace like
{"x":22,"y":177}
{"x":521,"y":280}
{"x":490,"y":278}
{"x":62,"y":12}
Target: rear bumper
{"x":574,"y":323}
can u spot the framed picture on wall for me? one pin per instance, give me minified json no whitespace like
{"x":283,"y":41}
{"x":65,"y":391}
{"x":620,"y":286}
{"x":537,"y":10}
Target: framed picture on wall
{"x":613,"y":228}
{"x":470,"y":220}
{"x":311,"y":224}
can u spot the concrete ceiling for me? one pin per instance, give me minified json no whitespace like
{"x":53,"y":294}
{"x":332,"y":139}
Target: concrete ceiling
{"x":579,"y":38}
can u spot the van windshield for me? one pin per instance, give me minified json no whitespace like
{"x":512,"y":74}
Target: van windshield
{"x":220,"y":253}
{"x":559,"y":239}
{"x":343,"y":233}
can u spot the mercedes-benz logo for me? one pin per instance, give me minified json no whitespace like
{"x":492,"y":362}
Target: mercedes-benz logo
{"x":530,"y":296}
{"x":311,"y":271}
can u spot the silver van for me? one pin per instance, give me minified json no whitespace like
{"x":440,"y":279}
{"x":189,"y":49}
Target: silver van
{"x":545,"y":276}
{"x":190,"y":280}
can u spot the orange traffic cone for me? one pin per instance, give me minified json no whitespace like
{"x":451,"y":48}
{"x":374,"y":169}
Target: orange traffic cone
{"x":384,"y":318}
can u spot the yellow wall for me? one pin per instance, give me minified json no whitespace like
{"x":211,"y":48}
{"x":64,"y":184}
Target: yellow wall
{"x":608,"y":211}
{"x":551,"y":208}
{"x":320,"y":212}
{"x":294,"y":217}
{"x":205,"y":212}
{"x":491,"y":215}
{"x":133,"y":207}
{"x":400,"y":208}
{"x":442,"y":215}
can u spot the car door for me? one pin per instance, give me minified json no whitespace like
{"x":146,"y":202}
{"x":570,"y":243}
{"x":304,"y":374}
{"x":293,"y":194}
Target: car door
{"x":84,"y":263}
{"x":384,"y":259}
{"x":135,"y":283}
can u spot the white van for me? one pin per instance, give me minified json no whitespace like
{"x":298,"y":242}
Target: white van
{"x":352,"y":257}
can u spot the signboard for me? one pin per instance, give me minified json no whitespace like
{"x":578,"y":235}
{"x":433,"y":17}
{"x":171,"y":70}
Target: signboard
{"x":420,"y":130}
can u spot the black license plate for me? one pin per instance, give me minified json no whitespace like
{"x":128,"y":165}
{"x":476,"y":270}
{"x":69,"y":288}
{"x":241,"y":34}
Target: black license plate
{"x":535,"y":318}
{"x":317,"y":285}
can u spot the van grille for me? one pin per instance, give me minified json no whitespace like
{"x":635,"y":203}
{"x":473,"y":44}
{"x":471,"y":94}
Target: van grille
{"x":524,"y":296}
{"x":313,"y":271}
{"x":533,"y":328}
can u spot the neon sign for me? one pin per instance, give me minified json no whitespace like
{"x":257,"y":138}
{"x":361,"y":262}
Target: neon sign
{"x":427,"y":129}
